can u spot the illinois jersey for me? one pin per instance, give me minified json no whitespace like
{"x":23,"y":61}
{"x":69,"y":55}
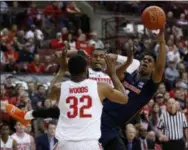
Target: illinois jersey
{"x":80,"y":111}
{"x":139,"y":92}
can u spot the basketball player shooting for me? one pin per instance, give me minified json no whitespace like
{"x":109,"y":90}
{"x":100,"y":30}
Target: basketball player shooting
{"x":80,"y":105}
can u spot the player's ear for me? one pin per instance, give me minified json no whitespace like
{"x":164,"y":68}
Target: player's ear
{"x":87,"y":72}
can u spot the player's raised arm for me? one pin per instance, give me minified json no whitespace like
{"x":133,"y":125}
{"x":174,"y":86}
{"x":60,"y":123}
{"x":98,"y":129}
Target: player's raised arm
{"x":161,"y":58}
{"x":123,"y":68}
{"x":117,"y":94}
{"x":134,"y":64}
{"x":54,"y":91}
{"x":106,"y":91}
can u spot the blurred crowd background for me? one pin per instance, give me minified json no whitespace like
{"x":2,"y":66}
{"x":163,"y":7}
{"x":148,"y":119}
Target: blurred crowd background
{"x":31,"y":32}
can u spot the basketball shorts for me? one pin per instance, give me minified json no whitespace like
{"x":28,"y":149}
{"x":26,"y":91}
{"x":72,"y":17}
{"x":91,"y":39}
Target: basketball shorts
{"x":80,"y":145}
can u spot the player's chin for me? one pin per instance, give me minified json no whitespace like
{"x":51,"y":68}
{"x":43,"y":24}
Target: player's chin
{"x":98,"y":67}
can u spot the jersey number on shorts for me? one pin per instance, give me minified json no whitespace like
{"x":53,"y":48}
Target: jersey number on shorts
{"x":75,"y":111}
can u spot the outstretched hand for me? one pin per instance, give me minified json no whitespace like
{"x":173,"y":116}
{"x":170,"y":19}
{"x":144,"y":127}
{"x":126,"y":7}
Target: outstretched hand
{"x":111,"y":65}
{"x":62,"y":59}
{"x":130,"y":53}
{"x":161,"y":35}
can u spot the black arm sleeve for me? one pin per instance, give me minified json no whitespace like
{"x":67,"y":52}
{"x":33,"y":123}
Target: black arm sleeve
{"x":47,"y":113}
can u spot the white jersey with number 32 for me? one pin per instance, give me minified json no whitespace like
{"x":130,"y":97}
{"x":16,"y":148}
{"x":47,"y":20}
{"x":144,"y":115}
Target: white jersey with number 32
{"x":80,"y":111}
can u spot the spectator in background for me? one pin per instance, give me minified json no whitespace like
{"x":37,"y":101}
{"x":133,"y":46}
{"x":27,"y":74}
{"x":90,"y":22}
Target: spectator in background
{"x":131,"y":142}
{"x":25,"y":102}
{"x":11,"y":66}
{"x":74,"y":14}
{"x":13,"y":31}
{"x":51,"y":67}
{"x":154,"y":117}
{"x":19,"y":90}
{"x":171,"y":74}
{"x":4,"y":17}
{"x":11,"y":54}
{"x":162,"y":88}
{"x":19,"y":40}
{"x":182,"y":20}
{"x":159,"y":99}
{"x":23,"y":140}
{"x":53,"y":14}
{"x":71,"y":42}
{"x":30,"y":32}
{"x":5,"y":39}
{"x":151,"y":104}
{"x":65,"y":33}
{"x":173,"y":54}
{"x":39,"y":36}
{"x":2,"y":58}
{"x":7,"y":143}
{"x":57,"y":43}
{"x":98,"y":44}
{"x":47,"y":141}
{"x":82,"y":44}
{"x":152,"y":136}
{"x":9,"y":85}
{"x":37,"y":100}
{"x":31,"y":89}
{"x":30,"y":46}
{"x":36,"y":66}
{"x":5,"y":98}
{"x":34,"y":14}
{"x":145,"y":143}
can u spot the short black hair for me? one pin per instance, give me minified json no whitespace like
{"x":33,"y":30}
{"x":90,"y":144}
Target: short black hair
{"x":77,"y":65}
{"x":4,"y":124}
{"x":52,"y":122}
{"x":149,"y":53}
{"x":100,"y":49}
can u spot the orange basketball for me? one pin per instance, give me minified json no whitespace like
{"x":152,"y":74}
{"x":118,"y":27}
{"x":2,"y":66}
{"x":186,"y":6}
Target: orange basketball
{"x":153,"y":17}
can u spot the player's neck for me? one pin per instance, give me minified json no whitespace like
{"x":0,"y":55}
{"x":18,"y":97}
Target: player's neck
{"x":142,"y":77}
{"x":97,"y":69}
{"x":4,"y":138}
{"x":78,"y":78}
{"x":20,"y":134}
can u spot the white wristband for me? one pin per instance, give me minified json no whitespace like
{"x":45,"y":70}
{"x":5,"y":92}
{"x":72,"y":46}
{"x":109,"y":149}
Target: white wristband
{"x":28,"y":115}
{"x":121,"y":59}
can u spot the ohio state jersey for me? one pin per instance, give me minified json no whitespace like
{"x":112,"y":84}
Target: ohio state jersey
{"x":80,"y":111}
{"x":100,"y":76}
{"x":8,"y":145}
{"x":23,"y":143}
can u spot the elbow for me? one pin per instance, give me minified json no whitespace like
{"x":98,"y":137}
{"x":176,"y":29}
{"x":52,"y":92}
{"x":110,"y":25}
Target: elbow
{"x":124,"y":100}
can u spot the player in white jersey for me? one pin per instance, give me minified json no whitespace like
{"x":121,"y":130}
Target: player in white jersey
{"x":98,"y":65}
{"x":7,"y":143}
{"x":80,"y":106}
{"x":24,"y":141}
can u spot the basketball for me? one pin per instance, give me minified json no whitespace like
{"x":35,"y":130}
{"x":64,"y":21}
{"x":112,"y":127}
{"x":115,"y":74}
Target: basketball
{"x":153,"y":17}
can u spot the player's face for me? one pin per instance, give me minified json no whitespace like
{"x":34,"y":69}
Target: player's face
{"x":98,"y":60}
{"x":19,"y":127}
{"x":147,"y":65}
{"x":5,"y":130}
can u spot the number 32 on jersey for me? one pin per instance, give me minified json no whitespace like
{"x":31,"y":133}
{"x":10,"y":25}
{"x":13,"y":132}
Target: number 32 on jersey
{"x":75,"y":111}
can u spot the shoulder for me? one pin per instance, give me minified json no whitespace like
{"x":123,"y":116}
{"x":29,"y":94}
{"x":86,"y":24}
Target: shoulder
{"x":13,"y":135}
{"x":41,"y":137}
{"x":128,"y":76}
